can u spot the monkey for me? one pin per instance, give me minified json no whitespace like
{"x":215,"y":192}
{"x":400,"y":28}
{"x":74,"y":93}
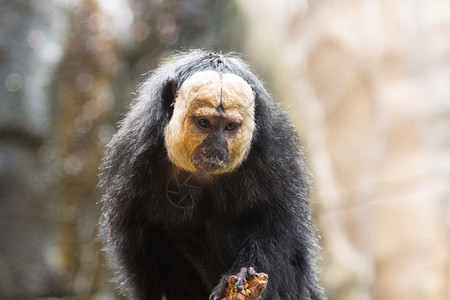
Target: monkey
{"x":205,"y":179}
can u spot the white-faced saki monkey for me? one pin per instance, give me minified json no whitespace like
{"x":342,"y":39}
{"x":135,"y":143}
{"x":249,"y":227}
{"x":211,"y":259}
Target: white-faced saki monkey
{"x":206,"y":179}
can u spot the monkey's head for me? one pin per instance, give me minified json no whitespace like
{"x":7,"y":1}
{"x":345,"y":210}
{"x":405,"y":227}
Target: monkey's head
{"x":212,"y":123}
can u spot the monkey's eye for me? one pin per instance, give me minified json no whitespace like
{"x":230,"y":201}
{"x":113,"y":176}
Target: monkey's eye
{"x":230,"y":126}
{"x":204,"y":123}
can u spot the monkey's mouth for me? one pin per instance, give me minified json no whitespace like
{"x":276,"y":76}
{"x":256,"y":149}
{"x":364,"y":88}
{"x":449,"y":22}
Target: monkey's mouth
{"x":208,"y":159}
{"x":209,"y":164}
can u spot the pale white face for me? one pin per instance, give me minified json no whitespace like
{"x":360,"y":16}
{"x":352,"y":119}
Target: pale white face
{"x":212,"y":123}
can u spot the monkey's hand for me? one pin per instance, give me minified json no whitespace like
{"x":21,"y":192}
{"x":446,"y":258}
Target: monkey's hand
{"x":246,"y":285}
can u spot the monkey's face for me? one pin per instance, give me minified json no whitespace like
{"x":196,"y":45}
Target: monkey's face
{"x":212,"y":123}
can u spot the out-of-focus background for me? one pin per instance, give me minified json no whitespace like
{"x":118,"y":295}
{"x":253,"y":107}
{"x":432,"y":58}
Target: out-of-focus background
{"x":367,"y":84}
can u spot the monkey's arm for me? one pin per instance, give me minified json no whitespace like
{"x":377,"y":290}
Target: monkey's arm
{"x":269,"y":249}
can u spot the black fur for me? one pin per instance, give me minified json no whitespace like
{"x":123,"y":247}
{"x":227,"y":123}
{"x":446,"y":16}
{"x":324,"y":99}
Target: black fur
{"x":256,"y":216}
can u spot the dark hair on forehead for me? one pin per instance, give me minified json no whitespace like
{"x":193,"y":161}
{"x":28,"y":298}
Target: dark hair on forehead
{"x":185,"y":65}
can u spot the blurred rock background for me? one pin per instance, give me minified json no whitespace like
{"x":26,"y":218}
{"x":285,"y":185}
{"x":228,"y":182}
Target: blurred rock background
{"x":367,"y":84}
